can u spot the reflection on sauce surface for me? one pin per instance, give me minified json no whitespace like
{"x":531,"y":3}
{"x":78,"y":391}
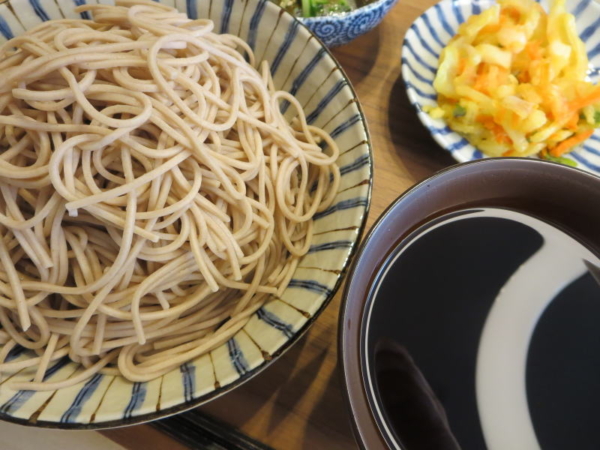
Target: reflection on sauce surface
{"x":432,"y":303}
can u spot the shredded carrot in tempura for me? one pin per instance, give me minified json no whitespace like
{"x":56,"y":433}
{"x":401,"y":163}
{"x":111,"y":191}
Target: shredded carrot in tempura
{"x":571,"y":142}
{"x":512,"y":81}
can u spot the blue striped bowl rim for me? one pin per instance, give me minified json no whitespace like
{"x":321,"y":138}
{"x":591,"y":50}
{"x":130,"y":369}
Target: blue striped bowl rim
{"x":301,"y":65}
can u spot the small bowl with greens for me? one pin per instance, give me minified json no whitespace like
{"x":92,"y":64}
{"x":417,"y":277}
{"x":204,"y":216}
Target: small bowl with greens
{"x":337,"y":22}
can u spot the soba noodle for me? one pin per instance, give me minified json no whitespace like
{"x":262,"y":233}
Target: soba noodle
{"x":152,"y":194}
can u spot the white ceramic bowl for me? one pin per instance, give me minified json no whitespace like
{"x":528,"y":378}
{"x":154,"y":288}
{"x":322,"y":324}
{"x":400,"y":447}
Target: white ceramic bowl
{"x":302,"y":66}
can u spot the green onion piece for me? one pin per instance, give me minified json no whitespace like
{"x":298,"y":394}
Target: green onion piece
{"x":459,"y":111}
{"x":597,"y":117}
{"x":560,"y":160}
{"x":306,"y":8}
{"x":329,"y":7}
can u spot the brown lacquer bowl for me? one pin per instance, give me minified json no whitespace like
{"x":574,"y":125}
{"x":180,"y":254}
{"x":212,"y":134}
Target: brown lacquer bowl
{"x":469,"y":317}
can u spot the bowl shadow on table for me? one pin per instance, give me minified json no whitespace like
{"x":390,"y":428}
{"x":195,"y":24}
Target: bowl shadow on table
{"x":359,"y":56}
{"x":279,"y":391}
{"x":420,"y":153}
{"x":327,"y":411}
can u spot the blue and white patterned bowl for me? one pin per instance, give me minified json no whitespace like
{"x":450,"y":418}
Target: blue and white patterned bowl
{"x":302,"y":66}
{"x":340,"y":29}
{"x":430,"y":33}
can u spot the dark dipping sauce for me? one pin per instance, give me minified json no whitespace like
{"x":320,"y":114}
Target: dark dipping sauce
{"x":429,"y":307}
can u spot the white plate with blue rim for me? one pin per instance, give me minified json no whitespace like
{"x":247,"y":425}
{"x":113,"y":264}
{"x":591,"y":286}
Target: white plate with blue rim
{"x":431,"y":32}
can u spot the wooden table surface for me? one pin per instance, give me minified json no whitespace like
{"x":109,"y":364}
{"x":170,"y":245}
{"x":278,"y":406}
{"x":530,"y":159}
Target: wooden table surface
{"x":297,"y":403}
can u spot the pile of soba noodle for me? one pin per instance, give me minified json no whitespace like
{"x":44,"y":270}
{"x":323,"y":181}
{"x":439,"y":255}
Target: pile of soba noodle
{"x":152,"y":195}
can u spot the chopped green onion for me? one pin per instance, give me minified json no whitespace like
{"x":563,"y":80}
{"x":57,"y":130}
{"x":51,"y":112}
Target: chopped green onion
{"x":306,"y":8}
{"x":560,"y":160}
{"x":314,"y":8}
{"x":597,"y":117}
{"x":459,"y":111}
